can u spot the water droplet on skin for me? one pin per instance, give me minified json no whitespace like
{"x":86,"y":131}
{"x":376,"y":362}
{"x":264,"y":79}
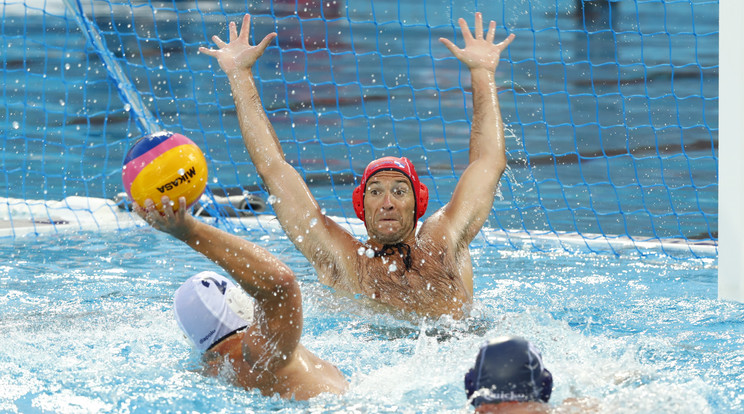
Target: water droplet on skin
{"x":313,"y":222}
{"x":370,"y":253}
{"x":392,"y":267}
{"x":361,"y":250}
{"x":271,"y":199}
{"x":300,"y":239}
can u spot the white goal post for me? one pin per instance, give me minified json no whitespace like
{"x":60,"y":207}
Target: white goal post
{"x":731,"y":151}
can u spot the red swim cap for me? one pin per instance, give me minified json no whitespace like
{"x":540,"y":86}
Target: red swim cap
{"x":404,"y":165}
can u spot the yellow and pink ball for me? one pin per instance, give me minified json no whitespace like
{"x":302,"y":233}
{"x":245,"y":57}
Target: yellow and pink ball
{"x":164,"y":163}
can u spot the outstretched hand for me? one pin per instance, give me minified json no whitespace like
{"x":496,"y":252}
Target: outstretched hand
{"x":238,"y":53}
{"x":479,"y":51}
{"x":176,"y":223}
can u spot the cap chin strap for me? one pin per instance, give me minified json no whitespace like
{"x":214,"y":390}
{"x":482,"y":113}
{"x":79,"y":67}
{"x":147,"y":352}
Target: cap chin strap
{"x":240,"y":303}
{"x":402,"y":249}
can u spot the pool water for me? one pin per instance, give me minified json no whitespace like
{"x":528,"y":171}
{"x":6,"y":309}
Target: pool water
{"x":86,"y":316}
{"x":88,"y":327}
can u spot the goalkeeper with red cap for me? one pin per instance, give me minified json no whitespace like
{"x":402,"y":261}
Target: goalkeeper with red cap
{"x":428,"y":272}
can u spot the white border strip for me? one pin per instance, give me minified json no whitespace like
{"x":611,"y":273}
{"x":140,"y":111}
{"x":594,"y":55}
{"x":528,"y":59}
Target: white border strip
{"x":23,"y":218}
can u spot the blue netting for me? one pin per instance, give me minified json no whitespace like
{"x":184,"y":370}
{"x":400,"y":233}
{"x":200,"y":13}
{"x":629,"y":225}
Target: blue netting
{"x":610,"y":107}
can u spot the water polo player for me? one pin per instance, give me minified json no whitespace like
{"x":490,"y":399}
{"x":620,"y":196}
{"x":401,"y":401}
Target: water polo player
{"x":508,"y":369}
{"x":509,"y":377}
{"x":258,"y":339}
{"x":429,"y":272}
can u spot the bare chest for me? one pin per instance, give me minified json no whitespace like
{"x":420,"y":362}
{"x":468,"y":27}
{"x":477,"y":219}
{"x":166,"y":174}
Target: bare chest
{"x":424,"y":279}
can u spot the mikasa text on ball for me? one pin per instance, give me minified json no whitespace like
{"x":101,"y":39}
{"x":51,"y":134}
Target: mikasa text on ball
{"x":164,"y":163}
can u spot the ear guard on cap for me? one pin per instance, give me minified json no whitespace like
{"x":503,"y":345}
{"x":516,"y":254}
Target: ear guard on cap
{"x":405,"y":166}
{"x":470,"y":383}
{"x":357,"y":197}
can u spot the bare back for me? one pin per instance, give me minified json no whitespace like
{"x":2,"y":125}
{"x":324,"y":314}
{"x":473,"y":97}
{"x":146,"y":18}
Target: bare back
{"x":246,"y":361}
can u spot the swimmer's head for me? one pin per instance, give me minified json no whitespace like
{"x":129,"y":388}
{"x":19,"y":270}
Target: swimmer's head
{"x":508,"y":369}
{"x":404,"y":166}
{"x":210,"y":307}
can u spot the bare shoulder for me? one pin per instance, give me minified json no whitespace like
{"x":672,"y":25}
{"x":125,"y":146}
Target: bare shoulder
{"x":332,"y":237}
{"x":435,"y":225}
{"x":332,"y":253}
{"x":440,"y":230}
{"x":439,"y":235}
{"x":246,"y":358}
{"x":581,"y":405}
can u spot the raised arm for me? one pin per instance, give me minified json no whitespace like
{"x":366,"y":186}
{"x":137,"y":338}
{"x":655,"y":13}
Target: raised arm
{"x":295,"y":207}
{"x":258,"y":272}
{"x":475,"y":191}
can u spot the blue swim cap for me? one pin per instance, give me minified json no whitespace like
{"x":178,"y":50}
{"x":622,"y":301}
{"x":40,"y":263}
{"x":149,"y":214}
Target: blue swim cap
{"x":508,"y":369}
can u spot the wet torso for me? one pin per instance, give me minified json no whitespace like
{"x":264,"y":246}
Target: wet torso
{"x":437,"y":281}
{"x":246,"y":361}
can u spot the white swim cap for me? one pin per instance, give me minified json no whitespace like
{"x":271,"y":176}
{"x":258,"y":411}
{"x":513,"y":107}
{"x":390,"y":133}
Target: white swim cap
{"x":210,"y":307}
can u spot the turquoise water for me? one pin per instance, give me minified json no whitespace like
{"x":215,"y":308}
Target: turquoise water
{"x":596,"y":121}
{"x":87,"y":327}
